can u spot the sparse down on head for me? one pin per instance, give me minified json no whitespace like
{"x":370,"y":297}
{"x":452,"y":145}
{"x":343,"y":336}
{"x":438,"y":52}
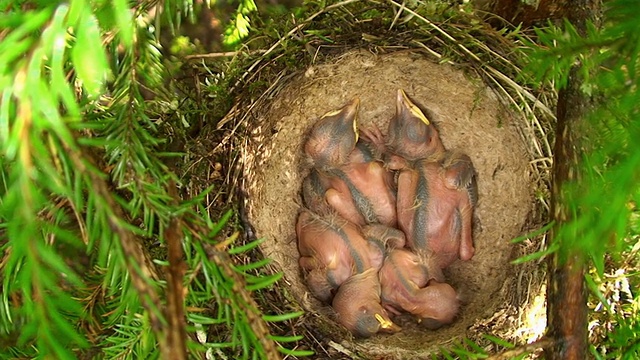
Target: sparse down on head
{"x":334,"y":136}
{"x":410,"y":134}
{"x":357,"y":304}
{"x":439,"y":305}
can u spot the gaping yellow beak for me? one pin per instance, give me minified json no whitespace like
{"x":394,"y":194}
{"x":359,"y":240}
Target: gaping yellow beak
{"x":404,"y":102}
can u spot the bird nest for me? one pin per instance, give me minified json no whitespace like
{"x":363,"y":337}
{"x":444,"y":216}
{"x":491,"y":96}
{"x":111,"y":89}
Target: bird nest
{"x":470,"y":119}
{"x":482,"y":113}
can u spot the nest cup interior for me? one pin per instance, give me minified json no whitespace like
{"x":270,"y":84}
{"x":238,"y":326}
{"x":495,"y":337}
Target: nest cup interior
{"x":470,"y":119}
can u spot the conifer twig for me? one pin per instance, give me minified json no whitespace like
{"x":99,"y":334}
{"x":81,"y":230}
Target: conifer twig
{"x":139,"y":267}
{"x":216,"y":55}
{"x":176,"y":334}
{"x":259,"y":326}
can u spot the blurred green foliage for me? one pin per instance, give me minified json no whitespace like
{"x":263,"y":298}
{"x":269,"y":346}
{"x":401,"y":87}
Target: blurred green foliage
{"x":85,"y":187}
{"x":605,"y":198}
{"x":238,"y":29}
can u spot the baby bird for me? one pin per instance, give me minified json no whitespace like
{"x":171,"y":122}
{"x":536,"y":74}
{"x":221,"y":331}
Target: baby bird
{"x":345,"y":177}
{"x":410,"y":134}
{"x":436,"y":189}
{"x":331,"y":251}
{"x":357,"y":304}
{"x":333,"y":138}
{"x":412,"y":284}
{"x":435,"y":208}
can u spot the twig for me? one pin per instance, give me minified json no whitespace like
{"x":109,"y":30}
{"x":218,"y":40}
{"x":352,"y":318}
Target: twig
{"x":211,"y":55}
{"x":341,"y":349}
{"x":287,"y":35}
{"x":243,"y":213}
{"x":251,"y":309}
{"x":527,"y":94}
{"x":542,"y":343}
{"x":222,"y":54}
{"x":176,"y":334}
{"x":140,"y":268}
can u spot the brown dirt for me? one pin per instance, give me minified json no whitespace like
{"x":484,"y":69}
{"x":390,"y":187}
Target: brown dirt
{"x":470,"y":119}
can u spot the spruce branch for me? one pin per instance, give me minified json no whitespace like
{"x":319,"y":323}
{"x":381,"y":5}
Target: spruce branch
{"x":234,"y":287}
{"x":37,"y":281}
{"x":246,"y":301}
{"x":141,"y":270}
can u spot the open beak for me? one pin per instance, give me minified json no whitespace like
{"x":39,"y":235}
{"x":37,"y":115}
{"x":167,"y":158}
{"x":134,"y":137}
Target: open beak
{"x":405,"y":105}
{"x":387,"y":326}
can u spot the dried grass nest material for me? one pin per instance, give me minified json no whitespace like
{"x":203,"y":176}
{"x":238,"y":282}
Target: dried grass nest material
{"x":470,"y":119}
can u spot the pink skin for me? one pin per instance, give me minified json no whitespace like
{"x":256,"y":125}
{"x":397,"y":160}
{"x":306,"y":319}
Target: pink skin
{"x":436,"y":189}
{"x":386,"y":237}
{"x":408,"y":284}
{"x":374,"y":182}
{"x":325,"y":194}
{"x":440,"y":221}
{"x":332,"y":139}
{"x":374,"y":136}
{"x":371,"y":181}
{"x":355,"y":186}
{"x":448,"y":217}
{"x":357,"y":303}
{"x":332,"y":250}
{"x":358,"y":188}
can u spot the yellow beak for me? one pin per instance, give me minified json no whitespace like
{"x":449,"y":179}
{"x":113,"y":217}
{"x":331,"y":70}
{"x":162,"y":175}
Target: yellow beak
{"x":404,"y":102}
{"x":386,"y":324}
{"x":348,"y":111}
{"x":356,"y":103}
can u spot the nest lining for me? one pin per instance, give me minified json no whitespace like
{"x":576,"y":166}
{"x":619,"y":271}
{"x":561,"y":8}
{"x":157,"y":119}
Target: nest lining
{"x":470,"y":119}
